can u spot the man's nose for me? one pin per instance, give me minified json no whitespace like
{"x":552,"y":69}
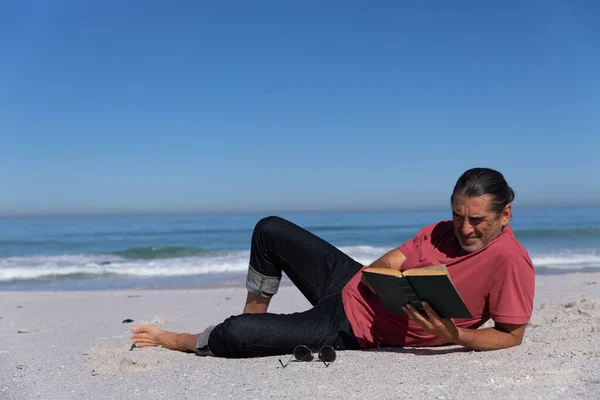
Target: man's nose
{"x":466,"y":229}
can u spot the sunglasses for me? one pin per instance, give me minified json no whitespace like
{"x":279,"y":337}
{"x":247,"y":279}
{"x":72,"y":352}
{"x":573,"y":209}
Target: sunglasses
{"x":303,"y":353}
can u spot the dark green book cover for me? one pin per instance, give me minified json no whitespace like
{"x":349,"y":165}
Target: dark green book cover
{"x":431,"y":284}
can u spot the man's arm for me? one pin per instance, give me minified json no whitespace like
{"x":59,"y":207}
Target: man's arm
{"x":501,"y":336}
{"x":393,"y":259}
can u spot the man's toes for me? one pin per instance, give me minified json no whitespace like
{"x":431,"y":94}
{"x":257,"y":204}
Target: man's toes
{"x":144,"y":340}
{"x":140,"y":328}
{"x":139,"y":336}
{"x":146,"y":344}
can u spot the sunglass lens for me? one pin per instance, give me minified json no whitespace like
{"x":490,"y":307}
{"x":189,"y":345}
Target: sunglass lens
{"x":327,"y":354}
{"x":303,"y":353}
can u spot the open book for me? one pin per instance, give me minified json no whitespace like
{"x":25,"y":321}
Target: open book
{"x":431,"y":284}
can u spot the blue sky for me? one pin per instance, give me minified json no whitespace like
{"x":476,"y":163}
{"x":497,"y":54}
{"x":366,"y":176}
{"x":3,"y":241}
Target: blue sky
{"x":192,"y":106}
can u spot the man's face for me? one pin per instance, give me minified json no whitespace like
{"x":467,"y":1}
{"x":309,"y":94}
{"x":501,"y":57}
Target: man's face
{"x":475,"y":225}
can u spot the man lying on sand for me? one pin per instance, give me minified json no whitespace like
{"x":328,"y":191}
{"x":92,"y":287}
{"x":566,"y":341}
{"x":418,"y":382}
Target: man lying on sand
{"x":490,"y":269}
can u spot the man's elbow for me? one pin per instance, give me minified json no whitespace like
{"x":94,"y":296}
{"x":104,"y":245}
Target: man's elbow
{"x":518,"y":340}
{"x":513,"y":334}
{"x":514,"y":342}
{"x":508,"y":342}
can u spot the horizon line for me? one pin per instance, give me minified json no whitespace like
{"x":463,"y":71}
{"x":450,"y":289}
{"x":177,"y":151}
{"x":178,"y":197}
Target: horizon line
{"x":159,"y":213}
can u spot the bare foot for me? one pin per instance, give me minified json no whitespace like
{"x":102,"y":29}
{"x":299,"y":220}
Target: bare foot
{"x":148,"y":335}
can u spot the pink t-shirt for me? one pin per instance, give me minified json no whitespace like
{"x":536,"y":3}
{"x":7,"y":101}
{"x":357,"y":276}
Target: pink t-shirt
{"x":495,"y":282}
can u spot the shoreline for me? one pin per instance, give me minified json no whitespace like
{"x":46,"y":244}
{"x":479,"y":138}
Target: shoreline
{"x":63,"y":345}
{"x":207,"y":281}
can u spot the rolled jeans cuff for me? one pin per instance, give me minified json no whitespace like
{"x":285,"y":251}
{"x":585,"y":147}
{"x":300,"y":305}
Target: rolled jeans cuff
{"x":202,"y":344}
{"x":261,"y":285}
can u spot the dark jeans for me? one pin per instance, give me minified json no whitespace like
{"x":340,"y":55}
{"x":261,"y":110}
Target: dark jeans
{"x":318,"y":269}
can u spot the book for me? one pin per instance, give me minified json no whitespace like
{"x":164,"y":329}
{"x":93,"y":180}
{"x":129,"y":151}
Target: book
{"x":431,"y":284}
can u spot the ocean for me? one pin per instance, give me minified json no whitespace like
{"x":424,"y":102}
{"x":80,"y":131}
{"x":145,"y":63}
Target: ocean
{"x":97,"y":253}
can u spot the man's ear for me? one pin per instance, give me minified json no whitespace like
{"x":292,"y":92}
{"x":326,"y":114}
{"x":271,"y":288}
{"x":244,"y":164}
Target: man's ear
{"x":506,"y":214}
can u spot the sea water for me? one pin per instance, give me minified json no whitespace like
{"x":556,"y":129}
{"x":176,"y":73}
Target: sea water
{"x":87,"y":253}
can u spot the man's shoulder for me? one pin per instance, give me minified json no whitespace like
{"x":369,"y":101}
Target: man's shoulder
{"x":439,"y":232}
{"x":441,"y":227}
{"x":508,"y":245}
{"x":509,"y":240}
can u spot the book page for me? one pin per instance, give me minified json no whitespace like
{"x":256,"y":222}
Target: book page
{"x":384,"y":271}
{"x":432,"y":270}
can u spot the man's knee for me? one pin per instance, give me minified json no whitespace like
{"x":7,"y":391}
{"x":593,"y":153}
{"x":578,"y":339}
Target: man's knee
{"x":271,"y":227}
{"x":268,"y":224}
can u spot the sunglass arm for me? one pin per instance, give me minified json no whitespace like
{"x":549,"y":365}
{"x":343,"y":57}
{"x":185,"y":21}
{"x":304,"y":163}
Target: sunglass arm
{"x":287,"y":363}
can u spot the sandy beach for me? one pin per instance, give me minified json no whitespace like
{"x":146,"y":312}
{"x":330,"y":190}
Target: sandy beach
{"x":68,"y":345}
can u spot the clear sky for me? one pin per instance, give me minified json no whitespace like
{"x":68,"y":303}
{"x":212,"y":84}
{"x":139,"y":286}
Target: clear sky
{"x":197,"y":106}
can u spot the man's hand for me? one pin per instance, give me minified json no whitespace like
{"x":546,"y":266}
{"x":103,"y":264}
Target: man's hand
{"x":501,"y":336}
{"x":440,"y":327}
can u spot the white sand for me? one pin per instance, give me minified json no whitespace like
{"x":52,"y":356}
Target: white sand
{"x":74,"y":345}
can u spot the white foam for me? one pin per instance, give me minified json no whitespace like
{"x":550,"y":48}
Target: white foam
{"x":567,"y":259}
{"x":36,"y":267}
{"x":364,"y":254}
{"x":44,"y":266}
